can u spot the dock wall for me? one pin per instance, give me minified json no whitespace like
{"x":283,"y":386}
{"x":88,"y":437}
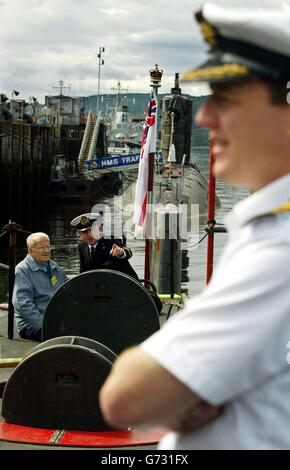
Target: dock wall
{"x":26,"y":156}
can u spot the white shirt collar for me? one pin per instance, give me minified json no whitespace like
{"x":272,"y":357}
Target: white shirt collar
{"x":259,"y":203}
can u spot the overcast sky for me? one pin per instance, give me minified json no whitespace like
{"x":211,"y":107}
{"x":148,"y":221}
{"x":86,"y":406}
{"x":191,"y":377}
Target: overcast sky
{"x":44,"y":41}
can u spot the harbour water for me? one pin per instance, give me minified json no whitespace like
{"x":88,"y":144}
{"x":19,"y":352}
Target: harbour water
{"x":55,"y":220}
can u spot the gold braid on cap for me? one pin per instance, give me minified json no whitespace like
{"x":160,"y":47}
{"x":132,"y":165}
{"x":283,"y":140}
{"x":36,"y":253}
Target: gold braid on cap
{"x":218,"y":71}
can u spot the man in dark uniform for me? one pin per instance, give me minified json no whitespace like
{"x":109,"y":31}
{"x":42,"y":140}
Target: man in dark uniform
{"x":97,"y":252}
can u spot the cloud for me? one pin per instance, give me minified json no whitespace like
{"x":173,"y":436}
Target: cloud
{"x":43,"y":41}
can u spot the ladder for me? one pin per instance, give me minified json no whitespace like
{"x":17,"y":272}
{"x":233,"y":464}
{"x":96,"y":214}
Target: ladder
{"x":88,"y":147}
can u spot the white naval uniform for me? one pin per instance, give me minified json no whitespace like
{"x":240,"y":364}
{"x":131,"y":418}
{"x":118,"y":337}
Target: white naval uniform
{"x":229,"y":345}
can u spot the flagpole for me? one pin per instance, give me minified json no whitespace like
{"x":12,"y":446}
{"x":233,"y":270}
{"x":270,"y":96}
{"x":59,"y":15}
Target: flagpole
{"x":211,"y":215}
{"x":155,"y":83}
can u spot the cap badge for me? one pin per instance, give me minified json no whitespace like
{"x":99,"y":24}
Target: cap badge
{"x":208,"y":32}
{"x":84,"y":221}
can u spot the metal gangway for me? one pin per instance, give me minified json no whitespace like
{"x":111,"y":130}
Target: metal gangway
{"x":88,"y":147}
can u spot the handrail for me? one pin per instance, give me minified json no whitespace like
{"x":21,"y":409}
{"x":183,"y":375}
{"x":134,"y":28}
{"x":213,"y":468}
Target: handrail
{"x":12,"y":228}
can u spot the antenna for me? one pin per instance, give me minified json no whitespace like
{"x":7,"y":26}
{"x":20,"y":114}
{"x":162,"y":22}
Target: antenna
{"x":101,"y":62}
{"x":61,"y":87}
{"x":118,"y":88}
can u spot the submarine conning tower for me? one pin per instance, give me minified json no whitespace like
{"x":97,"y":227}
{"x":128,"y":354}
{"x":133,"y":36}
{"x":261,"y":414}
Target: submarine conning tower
{"x":181,"y":107}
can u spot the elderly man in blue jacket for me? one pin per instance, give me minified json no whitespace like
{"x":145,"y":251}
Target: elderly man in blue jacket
{"x":37,"y":277}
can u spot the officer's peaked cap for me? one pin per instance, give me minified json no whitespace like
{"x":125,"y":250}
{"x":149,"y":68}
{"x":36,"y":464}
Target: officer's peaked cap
{"x":85,"y":221}
{"x":243,"y":43}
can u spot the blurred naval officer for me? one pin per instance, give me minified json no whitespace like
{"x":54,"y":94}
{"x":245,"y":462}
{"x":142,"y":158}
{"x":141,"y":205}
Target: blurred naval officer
{"x":217,"y":374}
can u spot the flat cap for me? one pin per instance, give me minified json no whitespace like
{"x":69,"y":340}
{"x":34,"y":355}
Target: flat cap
{"x":244,"y":43}
{"x":85,"y":221}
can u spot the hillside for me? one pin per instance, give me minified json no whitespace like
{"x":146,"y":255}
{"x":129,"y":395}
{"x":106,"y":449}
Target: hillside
{"x":137,"y":104}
